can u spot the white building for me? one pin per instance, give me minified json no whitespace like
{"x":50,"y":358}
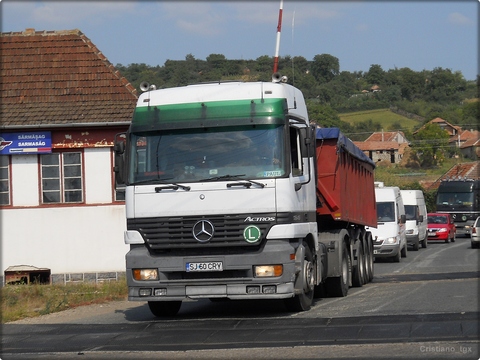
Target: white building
{"x":62,"y":103}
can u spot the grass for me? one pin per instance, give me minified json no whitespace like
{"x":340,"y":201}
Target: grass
{"x":385,"y":117}
{"x":24,"y":301}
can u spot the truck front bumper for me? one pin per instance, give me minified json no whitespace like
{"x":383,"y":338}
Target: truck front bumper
{"x":235,"y":281}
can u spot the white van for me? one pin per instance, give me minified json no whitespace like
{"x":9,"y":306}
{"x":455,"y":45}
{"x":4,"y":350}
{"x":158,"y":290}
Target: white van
{"x":416,"y":214}
{"x":389,"y":238}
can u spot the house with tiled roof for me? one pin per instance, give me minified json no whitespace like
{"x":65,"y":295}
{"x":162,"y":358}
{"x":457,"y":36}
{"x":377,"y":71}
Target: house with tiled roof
{"x":62,"y":103}
{"x":470,"y":148}
{"x":465,"y":140}
{"x":461,"y":171}
{"x":452,"y":130}
{"x":384,"y":146}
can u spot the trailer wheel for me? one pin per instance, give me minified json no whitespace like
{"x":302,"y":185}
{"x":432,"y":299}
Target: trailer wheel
{"x":303,"y":301}
{"x":358,"y":271}
{"x":338,"y":286}
{"x":164,"y":308}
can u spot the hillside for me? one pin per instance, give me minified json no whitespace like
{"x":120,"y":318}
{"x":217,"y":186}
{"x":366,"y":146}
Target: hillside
{"x":387,"y":119}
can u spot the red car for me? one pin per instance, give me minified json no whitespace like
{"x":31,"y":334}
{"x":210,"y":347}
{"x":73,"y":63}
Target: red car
{"x":441,"y":227}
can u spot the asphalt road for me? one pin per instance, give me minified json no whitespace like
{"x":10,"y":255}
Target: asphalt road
{"x":424,"y":307}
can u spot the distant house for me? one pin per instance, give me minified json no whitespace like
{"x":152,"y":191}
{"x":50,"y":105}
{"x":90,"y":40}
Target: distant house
{"x":384,"y":146}
{"x":470,"y":148}
{"x":466,"y":140}
{"x":452,"y":130}
{"x":62,"y":102}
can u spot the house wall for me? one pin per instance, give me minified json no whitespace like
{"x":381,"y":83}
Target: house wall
{"x":74,"y":241}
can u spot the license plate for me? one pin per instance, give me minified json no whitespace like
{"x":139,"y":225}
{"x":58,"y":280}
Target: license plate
{"x":204,"y":266}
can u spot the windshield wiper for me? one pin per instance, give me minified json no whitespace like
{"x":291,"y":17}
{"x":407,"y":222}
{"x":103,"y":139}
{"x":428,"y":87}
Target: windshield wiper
{"x":245,"y":182}
{"x":172,"y":186}
{"x":147,"y":181}
{"x":223,"y":177}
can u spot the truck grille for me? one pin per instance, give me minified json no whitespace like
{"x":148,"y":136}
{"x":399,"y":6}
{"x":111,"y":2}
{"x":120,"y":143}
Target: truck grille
{"x":174,"y":233}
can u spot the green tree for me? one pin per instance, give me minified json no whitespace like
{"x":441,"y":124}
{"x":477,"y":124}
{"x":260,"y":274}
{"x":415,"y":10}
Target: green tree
{"x":325,"y":67}
{"x":430,"y":144}
{"x":325,"y":116}
{"x":375,"y":75}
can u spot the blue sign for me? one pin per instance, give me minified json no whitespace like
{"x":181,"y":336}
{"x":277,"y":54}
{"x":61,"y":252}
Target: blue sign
{"x":26,"y":143}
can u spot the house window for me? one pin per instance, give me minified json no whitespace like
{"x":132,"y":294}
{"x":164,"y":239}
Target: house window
{"x":4,"y":180}
{"x":62,"y":178}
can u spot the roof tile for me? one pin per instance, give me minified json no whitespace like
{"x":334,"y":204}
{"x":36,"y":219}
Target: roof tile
{"x":59,"y":77}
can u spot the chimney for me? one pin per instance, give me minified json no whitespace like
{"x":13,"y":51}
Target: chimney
{"x":29,"y":31}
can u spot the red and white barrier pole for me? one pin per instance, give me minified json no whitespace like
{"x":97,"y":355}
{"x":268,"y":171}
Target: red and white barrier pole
{"x":279,"y":29}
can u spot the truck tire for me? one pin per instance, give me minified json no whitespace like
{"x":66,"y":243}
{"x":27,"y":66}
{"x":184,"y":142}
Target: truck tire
{"x":303,"y":301}
{"x":164,"y":308}
{"x":358,"y":270}
{"x":338,"y":286}
{"x":369,"y":256}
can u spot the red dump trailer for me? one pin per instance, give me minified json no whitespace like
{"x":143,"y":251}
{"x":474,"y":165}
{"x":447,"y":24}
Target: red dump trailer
{"x":345,"y":181}
{"x":345,"y":206}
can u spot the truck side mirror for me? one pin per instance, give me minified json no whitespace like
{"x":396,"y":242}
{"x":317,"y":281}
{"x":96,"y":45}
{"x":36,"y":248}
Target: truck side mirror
{"x":420,"y":218}
{"x":119,"y":165}
{"x":403,"y":219}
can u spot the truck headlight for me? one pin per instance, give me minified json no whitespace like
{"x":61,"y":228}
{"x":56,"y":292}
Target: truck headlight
{"x":145,"y":274}
{"x":410,"y":232}
{"x":268,"y":270}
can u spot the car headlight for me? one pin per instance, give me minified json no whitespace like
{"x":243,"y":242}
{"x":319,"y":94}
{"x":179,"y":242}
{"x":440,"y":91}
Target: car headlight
{"x":442,"y":230}
{"x":391,"y":240}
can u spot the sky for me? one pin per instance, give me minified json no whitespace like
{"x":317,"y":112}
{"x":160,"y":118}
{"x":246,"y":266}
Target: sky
{"x":420,"y":35}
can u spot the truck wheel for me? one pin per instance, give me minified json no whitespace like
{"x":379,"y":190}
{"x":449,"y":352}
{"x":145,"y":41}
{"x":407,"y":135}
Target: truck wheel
{"x":369,"y":256}
{"x":338,"y":286}
{"x":303,"y":301}
{"x":358,"y":271}
{"x":164,"y":308}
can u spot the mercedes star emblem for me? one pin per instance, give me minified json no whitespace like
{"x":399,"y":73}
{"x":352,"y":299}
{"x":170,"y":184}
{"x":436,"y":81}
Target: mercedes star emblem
{"x":203,"y":230}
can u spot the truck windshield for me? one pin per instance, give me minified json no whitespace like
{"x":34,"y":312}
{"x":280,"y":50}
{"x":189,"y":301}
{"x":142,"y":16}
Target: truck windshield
{"x":457,"y":198}
{"x":194,"y":155}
